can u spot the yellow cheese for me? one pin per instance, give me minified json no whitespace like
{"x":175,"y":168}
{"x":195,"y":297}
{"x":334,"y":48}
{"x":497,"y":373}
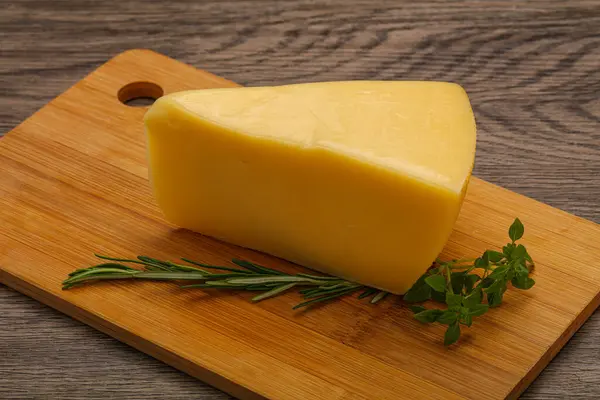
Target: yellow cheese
{"x":362,"y":180}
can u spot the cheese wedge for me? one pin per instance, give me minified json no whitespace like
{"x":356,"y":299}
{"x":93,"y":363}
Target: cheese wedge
{"x":362,"y":180}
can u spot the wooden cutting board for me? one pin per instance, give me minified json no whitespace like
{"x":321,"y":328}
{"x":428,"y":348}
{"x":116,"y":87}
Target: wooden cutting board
{"x":73,"y":181}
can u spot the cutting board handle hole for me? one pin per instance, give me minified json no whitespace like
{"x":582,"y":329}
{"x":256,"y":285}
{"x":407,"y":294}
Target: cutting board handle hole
{"x":140,"y":94}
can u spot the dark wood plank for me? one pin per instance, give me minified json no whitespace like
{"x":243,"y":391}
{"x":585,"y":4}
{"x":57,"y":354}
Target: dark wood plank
{"x":532,"y":70}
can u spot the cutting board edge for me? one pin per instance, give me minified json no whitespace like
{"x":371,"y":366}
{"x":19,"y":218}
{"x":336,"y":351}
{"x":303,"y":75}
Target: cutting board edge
{"x":553,"y":350}
{"x":221,"y":382}
{"x":128,"y":338}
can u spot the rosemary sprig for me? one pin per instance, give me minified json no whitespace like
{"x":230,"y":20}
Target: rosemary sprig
{"x":456,"y":284}
{"x":467,"y":287}
{"x":249,"y":276}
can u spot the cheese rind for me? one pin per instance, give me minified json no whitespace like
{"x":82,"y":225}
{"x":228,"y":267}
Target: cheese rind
{"x":318,"y":175}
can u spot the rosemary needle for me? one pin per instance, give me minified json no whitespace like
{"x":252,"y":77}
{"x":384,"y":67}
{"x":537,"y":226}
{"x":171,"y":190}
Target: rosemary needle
{"x":379,"y":296}
{"x":273,"y":292}
{"x":466,"y":294}
{"x":249,"y":276}
{"x":368,"y":292}
{"x":327,"y":297}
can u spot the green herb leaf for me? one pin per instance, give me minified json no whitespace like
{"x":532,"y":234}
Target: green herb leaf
{"x":436,"y":282}
{"x":499,"y":272}
{"x":440,"y":297}
{"x":467,"y":320}
{"x":417,"y":309}
{"x":420,"y":291}
{"x":508,"y":249}
{"x":509,"y":274}
{"x":486,"y":283}
{"x":452,"y":334}
{"x":494,"y":256}
{"x":519,"y":252}
{"x":457,"y":280}
{"x":495,"y":298}
{"x":516,"y":230}
{"x":523,"y":282}
{"x":485,"y":258}
{"x":483,"y":261}
{"x":453,"y":300}
{"x":472,"y":300}
{"x":447,"y":317}
{"x":521,"y":270}
{"x":478,"y":309}
{"x":428,"y":316}
{"x":495,"y":286}
{"x":470,"y":281}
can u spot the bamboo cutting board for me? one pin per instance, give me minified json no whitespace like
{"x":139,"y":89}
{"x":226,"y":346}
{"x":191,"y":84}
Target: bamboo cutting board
{"x":73,"y":181}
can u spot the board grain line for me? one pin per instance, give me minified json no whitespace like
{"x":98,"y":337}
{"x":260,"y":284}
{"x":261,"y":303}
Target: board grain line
{"x":47,"y":46}
{"x":36,"y":144}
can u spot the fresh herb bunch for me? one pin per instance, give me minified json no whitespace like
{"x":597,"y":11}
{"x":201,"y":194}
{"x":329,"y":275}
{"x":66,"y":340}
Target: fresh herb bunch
{"x":467,"y":294}
{"x":249,"y":276}
{"x":456,"y":284}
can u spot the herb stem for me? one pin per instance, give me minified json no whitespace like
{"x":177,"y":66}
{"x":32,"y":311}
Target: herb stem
{"x":475,"y":293}
{"x":250,"y":277}
{"x":466,"y":294}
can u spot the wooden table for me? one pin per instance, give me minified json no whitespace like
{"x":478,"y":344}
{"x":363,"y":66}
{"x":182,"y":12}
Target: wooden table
{"x":532,"y":70}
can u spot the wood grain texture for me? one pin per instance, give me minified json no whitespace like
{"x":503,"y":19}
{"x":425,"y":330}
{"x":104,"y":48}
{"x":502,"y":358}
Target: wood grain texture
{"x":531,"y":70}
{"x":73,"y":181}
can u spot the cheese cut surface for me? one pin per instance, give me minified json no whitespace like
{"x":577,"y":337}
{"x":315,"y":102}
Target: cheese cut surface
{"x":361,"y":179}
